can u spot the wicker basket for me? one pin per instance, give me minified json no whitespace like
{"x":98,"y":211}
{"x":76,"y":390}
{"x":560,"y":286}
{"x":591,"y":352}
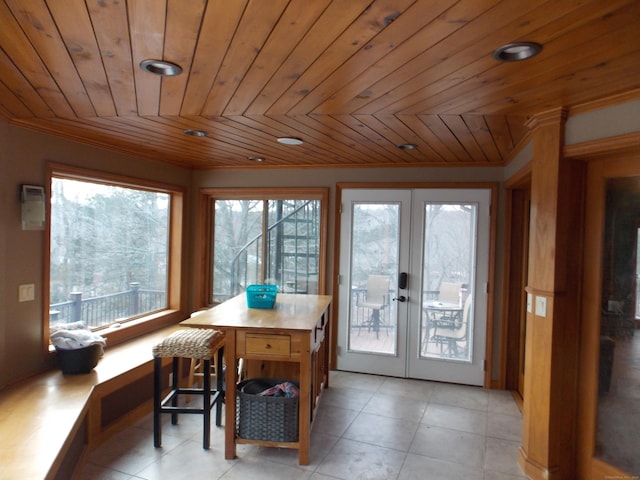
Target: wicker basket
{"x":267,"y":418}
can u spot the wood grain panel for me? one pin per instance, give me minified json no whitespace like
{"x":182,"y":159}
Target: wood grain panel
{"x":38,"y":25}
{"x":396,"y":36}
{"x":402,"y":63}
{"x":431,"y":144}
{"x":351,"y":78}
{"x":17,"y":47}
{"x":364,"y":135}
{"x":372,"y":21}
{"x":296,"y":20}
{"x":109,"y":20}
{"x":225,"y":138}
{"x":499,"y":128}
{"x":73,"y":22}
{"x":316,"y":138}
{"x":258,"y":19}
{"x":335,"y":133}
{"x":218,"y":24}
{"x":12,"y":105}
{"x":21,"y":89}
{"x":468,"y":49}
{"x":333,"y":21}
{"x":480,"y":130}
{"x":146,"y":24}
{"x":439,"y":128}
{"x":459,"y":128}
{"x":554,"y":66}
{"x":100,"y":135}
{"x":183,"y":27}
{"x":275,"y":128}
{"x":623,"y":66}
{"x":477,"y":72}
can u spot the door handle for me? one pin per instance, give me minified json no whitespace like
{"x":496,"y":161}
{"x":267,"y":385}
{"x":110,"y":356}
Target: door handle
{"x":401,"y":298}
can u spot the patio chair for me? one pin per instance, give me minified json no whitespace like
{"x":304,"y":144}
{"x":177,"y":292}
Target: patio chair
{"x":450,"y":293}
{"x":451,"y":335}
{"x":376,"y":299}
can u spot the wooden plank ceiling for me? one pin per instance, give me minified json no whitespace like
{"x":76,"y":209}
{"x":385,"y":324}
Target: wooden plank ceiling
{"x":351,"y":78}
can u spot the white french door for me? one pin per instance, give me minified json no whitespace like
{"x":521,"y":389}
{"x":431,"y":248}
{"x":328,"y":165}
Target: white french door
{"x":373,"y":247}
{"x":413,"y":282}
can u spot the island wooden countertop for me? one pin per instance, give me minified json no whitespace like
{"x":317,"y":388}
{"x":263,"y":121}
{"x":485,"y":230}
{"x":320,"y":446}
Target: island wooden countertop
{"x":291,"y":312}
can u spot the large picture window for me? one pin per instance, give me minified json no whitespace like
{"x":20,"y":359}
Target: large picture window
{"x":274,"y":237}
{"x":109,"y":245}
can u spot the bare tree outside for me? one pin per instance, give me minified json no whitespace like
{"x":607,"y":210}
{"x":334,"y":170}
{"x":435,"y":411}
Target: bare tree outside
{"x":109,"y":252}
{"x":449,"y":233}
{"x":273,"y":241}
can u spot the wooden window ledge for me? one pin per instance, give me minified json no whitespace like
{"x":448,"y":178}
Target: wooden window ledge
{"x":47,"y":422}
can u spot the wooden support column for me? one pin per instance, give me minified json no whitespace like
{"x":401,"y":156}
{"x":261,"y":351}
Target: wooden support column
{"x":548,"y":443}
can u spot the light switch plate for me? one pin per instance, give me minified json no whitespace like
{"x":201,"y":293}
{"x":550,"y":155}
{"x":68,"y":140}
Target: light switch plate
{"x":26,"y":292}
{"x":541,"y":306}
{"x":529,"y":303}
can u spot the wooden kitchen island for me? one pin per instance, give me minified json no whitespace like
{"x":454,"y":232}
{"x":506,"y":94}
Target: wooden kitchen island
{"x":288,"y":341}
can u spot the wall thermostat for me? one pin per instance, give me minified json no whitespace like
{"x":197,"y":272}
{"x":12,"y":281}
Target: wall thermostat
{"x":33,"y":209}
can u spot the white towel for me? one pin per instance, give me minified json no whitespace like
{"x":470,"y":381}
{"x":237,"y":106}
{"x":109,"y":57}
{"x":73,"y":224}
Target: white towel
{"x":76,"y":338}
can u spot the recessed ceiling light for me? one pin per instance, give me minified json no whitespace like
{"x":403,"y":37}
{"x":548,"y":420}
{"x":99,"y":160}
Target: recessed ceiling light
{"x":290,"y":141}
{"x":161,"y":67}
{"x":195,"y":133}
{"x":256,"y":159}
{"x":516,"y":51}
{"x":407,"y":146}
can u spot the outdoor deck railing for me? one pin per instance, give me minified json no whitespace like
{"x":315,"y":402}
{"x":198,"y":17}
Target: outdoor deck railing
{"x":106,"y":309}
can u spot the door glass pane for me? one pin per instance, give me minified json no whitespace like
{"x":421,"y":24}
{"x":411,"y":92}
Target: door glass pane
{"x":619,"y":375}
{"x":374,"y":257}
{"x":448,"y":280}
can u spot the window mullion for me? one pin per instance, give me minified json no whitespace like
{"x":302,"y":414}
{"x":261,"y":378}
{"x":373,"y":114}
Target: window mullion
{"x":265,"y":232}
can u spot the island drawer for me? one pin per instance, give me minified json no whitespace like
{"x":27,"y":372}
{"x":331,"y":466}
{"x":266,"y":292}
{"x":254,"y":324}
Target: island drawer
{"x":265,"y":344}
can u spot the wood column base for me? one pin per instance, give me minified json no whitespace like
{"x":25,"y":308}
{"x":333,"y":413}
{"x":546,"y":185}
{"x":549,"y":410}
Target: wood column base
{"x":536,"y":470}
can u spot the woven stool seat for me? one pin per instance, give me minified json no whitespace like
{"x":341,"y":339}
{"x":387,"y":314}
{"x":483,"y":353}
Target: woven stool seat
{"x":206,"y":346}
{"x":189,"y":343}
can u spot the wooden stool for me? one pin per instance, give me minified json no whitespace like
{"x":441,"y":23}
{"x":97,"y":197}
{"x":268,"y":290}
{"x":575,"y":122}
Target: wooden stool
{"x":191,"y":343}
{"x":196,"y":368}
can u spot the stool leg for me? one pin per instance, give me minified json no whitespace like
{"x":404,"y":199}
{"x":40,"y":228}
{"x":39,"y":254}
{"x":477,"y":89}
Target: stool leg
{"x":206,"y":404}
{"x":219,"y":387}
{"x":174,"y":386}
{"x":157,"y":391}
{"x":193,"y":365}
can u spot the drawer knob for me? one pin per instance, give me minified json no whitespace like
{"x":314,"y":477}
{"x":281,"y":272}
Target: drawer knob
{"x":268,"y":345}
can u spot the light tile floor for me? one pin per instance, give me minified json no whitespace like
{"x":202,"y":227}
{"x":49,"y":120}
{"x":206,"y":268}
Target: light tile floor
{"x":367,"y":427}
